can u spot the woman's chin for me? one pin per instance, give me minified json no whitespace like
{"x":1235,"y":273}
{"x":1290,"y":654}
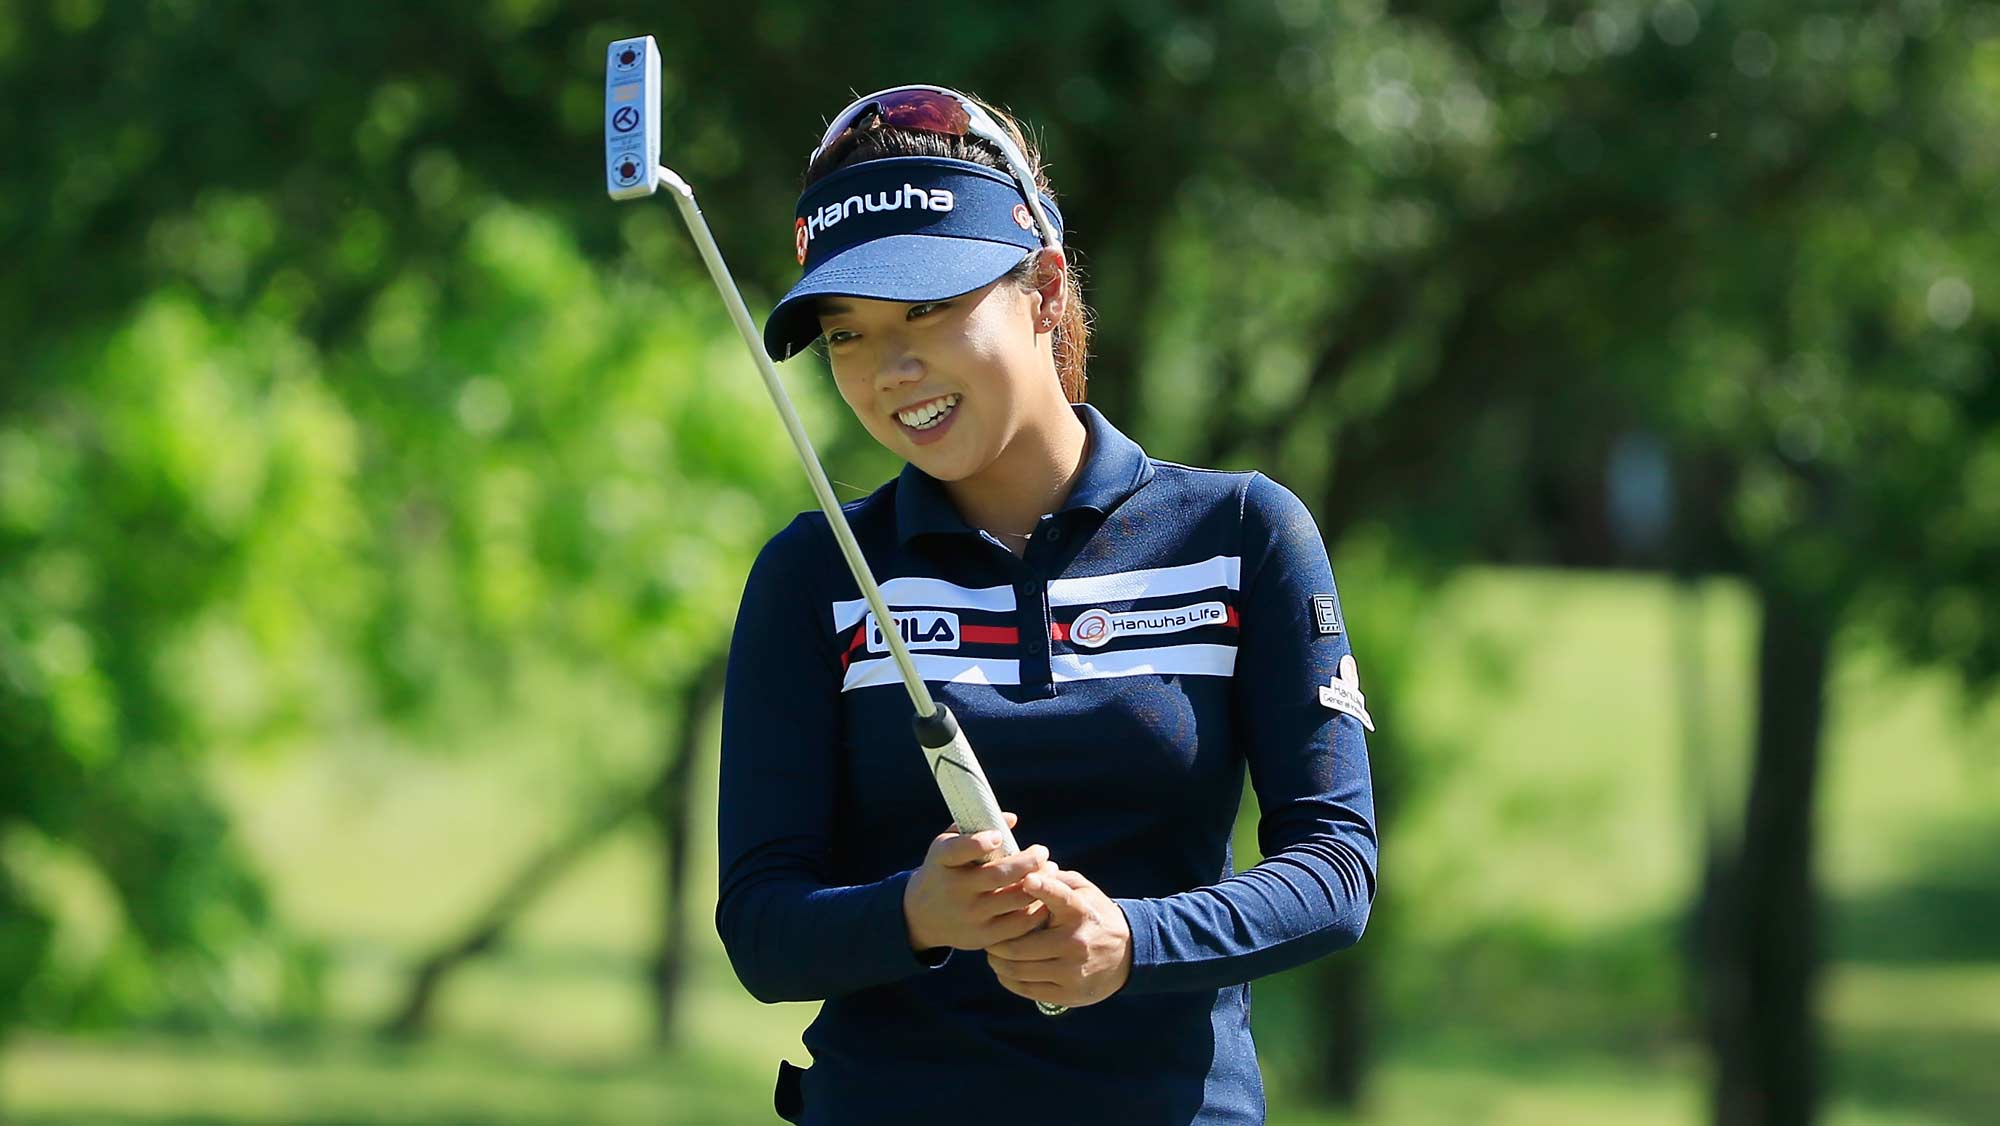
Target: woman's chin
{"x":941,"y":465}
{"x":954,"y":460}
{"x":946,"y":458}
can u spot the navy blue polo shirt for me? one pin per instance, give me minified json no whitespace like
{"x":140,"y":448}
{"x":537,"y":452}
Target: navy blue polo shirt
{"x":1168,"y":628}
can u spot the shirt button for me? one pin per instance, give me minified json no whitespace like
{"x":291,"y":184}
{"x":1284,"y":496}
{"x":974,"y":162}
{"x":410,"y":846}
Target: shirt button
{"x":1055,"y":534}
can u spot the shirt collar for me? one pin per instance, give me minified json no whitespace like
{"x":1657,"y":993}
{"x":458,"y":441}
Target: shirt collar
{"x":1114,"y":467}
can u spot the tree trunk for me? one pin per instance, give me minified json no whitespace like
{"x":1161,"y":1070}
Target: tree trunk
{"x":1346,"y":1027}
{"x":671,"y":803}
{"x":1764,"y":1031}
{"x":1703,"y":945}
{"x":516,"y":896}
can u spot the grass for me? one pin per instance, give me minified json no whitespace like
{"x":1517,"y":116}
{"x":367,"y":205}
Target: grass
{"x":1524,"y":948}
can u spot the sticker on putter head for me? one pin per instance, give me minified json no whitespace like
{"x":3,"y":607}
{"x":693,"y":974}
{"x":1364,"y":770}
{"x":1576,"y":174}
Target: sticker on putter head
{"x":1343,"y":693}
{"x":1326,"y":613}
{"x":632,"y":118}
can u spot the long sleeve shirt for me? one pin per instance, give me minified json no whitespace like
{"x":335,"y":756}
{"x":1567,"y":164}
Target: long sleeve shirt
{"x":1165,"y":630}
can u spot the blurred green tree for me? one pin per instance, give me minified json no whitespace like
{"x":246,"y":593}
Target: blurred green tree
{"x":346,"y":435}
{"x":1432,"y":264}
{"x":1749,"y":237}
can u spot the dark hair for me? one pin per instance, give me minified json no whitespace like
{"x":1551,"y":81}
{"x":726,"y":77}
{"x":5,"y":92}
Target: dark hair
{"x":877,"y":140}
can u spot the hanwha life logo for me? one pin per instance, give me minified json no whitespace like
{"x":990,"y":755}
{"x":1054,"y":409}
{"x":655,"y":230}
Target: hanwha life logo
{"x":801,"y":238}
{"x":1022,"y":217}
{"x":1091,"y":629}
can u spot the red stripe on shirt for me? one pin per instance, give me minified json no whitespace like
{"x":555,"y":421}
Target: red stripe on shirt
{"x":860,"y":634}
{"x":989,"y":635}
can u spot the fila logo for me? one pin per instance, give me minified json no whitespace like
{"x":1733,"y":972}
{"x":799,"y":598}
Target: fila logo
{"x":1096,"y":627}
{"x":823,"y":219}
{"x":920,"y":629}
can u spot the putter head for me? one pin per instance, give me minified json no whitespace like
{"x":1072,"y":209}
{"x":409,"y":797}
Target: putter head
{"x":632,"y":118}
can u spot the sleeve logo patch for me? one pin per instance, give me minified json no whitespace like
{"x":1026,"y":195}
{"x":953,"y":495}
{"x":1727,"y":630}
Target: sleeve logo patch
{"x":1343,"y":693}
{"x":1326,"y":613}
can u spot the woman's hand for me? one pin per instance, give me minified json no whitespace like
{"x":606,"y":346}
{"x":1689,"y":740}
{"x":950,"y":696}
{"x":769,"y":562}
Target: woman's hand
{"x":961,"y":899}
{"x":1083,"y":956}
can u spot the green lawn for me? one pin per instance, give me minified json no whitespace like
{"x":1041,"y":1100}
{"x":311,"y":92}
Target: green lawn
{"x":1527,"y":929}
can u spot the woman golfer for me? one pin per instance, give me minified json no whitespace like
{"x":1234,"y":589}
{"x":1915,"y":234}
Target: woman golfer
{"x":1120,"y":638}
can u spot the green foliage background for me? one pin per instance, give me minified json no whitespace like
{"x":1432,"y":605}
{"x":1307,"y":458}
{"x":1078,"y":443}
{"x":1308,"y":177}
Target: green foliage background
{"x":339,"y":407}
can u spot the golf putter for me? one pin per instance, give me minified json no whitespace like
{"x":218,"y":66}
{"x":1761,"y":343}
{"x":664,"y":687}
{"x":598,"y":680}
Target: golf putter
{"x":632,"y":171}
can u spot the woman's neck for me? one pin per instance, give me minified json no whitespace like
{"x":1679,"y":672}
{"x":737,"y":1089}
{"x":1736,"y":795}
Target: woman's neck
{"x":1032,"y":476}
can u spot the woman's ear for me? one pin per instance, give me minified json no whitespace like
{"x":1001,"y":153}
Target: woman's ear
{"x":1051,"y":295}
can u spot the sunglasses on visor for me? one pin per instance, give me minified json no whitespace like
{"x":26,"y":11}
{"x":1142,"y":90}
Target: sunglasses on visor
{"x":934,"y":109}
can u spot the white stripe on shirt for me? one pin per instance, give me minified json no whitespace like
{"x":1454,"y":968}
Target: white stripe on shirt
{"x":1185,"y":660}
{"x":933,"y":667}
{"x":1154,"y":582}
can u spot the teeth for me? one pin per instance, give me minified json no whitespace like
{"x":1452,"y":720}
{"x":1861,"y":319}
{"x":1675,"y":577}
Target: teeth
{"x":925,"y":416}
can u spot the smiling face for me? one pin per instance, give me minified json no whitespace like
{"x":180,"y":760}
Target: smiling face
{"x":969,"y":371}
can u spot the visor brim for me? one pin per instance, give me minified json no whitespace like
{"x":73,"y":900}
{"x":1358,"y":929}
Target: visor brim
{"x":909,"y":267}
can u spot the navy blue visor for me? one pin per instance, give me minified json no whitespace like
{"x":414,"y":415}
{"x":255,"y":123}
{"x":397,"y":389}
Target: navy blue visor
{"x":902,"y":228}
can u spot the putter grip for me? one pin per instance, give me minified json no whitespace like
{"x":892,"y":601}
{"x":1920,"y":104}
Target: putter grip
{"x":966,"y":792}
{"x":956,"y":769}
